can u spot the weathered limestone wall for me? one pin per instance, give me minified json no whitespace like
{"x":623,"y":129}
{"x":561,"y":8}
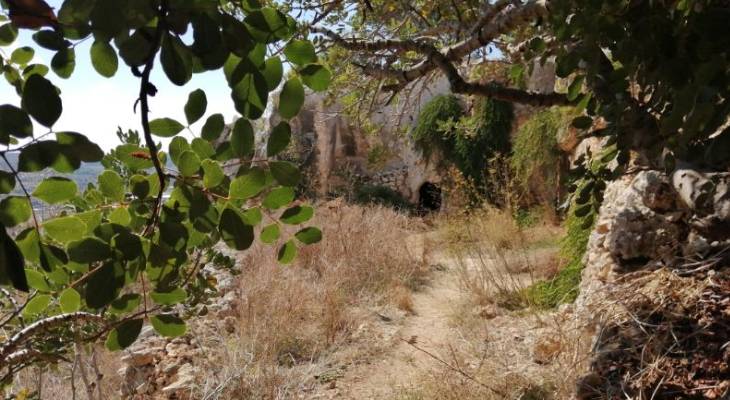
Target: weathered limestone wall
{"x":645,"y":255}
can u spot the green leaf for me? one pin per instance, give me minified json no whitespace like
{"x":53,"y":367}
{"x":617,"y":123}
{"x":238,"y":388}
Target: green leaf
{"x":80,"y":146}
{"x":278,"y":139}
{"x":8,"y":33}
{"x":92,"y":219}
{"x":64,"y":62}
{"x":12,"y":263}
{"x":51,"y":259}
{"x":189,"y":163}
{"x":273,"y":72}
{"x":270,"y":234}
{"x":37,"y":305}
{"x":575,"y":87}
{"x":48,"y":153}
{"x":124,"y":335}
{"x":14,"y":122}
{"x":196,"y":106}
{"x":278,"y":198}
{"x":104,"y":58}
{"x":300,"y":52}
{"x":56,"y":190}
{"x":285,"y":172}
{"x":134,"y":157}
{"x":213,"y":127}
{"x":267,"y":25}
{"x":234,"y":232}
{"x":128,"y":245}
{"x":212,"y":174}
{"x":37,"y":280}
{"x":316,"y":77}
{"x":111,"y":185}
{"x":70,"y":300}
{"x":248,"y":185}
{"x":242,"y":138}
{"x":41,"y":100}
{"x":176,"y":59}
{"x":177,"y":295}
{"x":250,"y":95}
{"x":7,"y":182}
{"x":252,"y":216}
{"x":309,"y":235}
{"x":287,"y":252}
{"x":168,"y":325}
{"x":22,"y":55}
{"x":165,"y":127}
{"x":65,"y":229}
{"x":178,"y":145}
{"x":125,"y":303}
{"x":14,"y":210}
{"x":50,"y":40}
{"x":291,"y":98}
{"x":297,"y":215}
{"x":35,"y":69}
{"x":120,"y":216}
{"x":89,"y":250}
{"x":103,"y":285}
{"x":202,"y":148}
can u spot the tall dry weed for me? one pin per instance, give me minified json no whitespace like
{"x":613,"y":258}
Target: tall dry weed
{"x":293,"y":317}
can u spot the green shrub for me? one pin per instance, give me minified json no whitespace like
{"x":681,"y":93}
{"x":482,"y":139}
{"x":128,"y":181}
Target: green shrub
{"x":563,"y":288}
{"x":382,"y":195}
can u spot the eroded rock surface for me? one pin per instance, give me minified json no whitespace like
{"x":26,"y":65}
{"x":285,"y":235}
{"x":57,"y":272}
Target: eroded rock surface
{"x":655,"y":287}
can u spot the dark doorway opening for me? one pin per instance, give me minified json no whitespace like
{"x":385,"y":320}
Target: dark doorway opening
{"x":429,"y":198}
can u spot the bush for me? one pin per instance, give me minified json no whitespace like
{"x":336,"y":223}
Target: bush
{"x":381,"y":195}
{"x":563,"y":288}
{"x":536,"y":158}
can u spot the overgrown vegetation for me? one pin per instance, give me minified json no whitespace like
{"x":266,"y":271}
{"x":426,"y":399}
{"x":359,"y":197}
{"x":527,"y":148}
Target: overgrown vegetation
{"x":537,"y":162}
{"x":563,"y":288}
{"x":432,"y":134}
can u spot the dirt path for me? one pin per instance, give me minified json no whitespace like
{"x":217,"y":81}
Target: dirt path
{"x":429,"y":328}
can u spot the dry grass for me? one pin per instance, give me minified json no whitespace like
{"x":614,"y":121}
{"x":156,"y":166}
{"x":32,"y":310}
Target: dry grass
{"x":498,"y":353}
{"x":294,"y":319}
{"x":496,"y":259}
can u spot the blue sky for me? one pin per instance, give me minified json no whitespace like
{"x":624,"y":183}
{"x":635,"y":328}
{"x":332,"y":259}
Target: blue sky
{"x":95,"y":106}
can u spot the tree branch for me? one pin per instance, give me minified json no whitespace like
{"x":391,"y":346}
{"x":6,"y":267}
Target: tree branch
{"x":144,"y":109}
{"x":9,"y":347}
{"x":503,"y":17}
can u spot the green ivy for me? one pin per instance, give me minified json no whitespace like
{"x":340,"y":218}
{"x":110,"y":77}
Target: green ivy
{"x":430,"y":134}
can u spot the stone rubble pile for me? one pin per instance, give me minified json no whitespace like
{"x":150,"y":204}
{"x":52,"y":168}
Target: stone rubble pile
{"x":158,"y":368}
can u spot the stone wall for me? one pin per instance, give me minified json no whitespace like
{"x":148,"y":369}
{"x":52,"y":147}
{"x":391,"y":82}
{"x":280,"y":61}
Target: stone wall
{"x":654,"y":254}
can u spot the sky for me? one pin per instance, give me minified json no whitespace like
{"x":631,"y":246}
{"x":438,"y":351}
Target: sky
{"x":95,"y":106}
